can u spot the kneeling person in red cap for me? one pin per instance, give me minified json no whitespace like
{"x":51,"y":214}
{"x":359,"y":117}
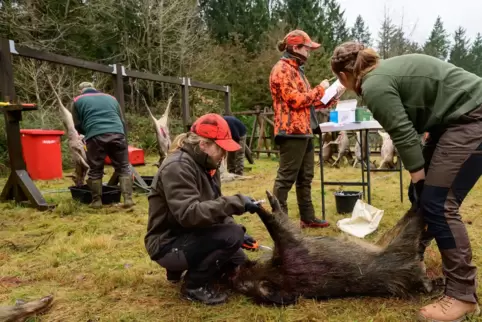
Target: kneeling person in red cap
{"x":190,"y":226}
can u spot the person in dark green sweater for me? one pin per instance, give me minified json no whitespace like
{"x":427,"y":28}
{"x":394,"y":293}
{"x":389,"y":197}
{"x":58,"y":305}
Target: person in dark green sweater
{"x":409,"y":95}
{"x":97,"y":116}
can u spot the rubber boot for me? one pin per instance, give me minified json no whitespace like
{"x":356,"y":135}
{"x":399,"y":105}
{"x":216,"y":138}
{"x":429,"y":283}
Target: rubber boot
{"x":96,"y":190}
{"x":126,"y":190}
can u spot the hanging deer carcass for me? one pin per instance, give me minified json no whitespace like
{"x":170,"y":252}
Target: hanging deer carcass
{"x":75,"y":142}
{"x":343,"y":143}
{"x":331,"y":267}
{"x":360,"y":151}
{"x":161,"y":126}
{"x":387,"y":151}
{"x":328,"y":149}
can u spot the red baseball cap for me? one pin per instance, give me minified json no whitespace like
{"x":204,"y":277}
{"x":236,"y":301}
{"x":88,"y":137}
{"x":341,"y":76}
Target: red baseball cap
{"x":214,"y":126}
{"x":299,"y":37}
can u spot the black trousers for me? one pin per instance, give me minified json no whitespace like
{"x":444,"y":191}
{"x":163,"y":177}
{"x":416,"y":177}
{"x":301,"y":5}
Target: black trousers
{"x":205,"y":253}
{"x":113,"y":145}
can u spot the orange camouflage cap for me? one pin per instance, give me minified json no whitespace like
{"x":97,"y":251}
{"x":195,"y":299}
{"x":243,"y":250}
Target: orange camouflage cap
{"x":299,"y":37}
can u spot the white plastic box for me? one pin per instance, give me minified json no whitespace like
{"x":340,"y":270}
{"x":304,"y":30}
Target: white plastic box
{"x":346,"y":111}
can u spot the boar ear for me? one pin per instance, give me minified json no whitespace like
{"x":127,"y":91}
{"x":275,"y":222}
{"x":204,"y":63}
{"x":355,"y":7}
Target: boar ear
{"x":273,"y":201}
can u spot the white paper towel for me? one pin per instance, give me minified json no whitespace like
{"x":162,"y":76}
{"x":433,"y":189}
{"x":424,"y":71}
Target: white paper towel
{"x":364,"y":220}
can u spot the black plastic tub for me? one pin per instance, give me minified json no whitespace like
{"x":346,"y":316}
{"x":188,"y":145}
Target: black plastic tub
{"x":83,"y":194}
{"x":346,"y":200}
{"x":148,"y":180}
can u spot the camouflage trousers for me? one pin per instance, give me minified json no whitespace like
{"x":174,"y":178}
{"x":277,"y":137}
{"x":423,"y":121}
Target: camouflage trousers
{"x":235,"y":160}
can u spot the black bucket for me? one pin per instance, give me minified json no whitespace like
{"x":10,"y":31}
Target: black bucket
{"x":83,"y":194}
{"x":346,"y":200}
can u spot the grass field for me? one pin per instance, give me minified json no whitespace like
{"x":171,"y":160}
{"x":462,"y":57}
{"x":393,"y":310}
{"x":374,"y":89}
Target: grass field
{"x":96,"y":266}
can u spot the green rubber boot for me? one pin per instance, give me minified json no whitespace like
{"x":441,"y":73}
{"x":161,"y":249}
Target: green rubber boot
{"x":96,"y":190}
{"x":126,"y":190}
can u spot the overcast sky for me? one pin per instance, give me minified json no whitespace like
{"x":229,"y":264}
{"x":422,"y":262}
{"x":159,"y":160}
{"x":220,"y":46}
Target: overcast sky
{"x":418,"y":15}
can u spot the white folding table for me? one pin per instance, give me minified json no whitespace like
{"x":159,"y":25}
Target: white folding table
{"x":365,"y":126}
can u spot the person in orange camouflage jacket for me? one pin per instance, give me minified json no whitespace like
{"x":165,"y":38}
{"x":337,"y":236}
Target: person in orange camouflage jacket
{"x":294,"y":104}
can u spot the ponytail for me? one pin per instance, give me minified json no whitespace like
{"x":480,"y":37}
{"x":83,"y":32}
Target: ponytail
{"x":187,"y":138}
{"x":282,"y":45}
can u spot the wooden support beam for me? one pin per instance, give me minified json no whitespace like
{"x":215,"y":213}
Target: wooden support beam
{"x":186,"y":116}
{"x":58,"y":59}
{"x":154,"y":77}
{"x":212,"y":87}
{"x":227,"y":101}
{"x":118,"y":80}
{"x":19,"y":186}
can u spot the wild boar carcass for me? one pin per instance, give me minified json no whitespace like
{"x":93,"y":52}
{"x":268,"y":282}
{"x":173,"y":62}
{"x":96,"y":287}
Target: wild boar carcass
{"x":387,"y":152}
{"x":162,"y":130}
{"x":333,"y":267}
{"x":75,"y":141}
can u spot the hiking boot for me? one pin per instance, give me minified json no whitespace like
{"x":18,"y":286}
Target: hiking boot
{"x":448,"y":309}
{"x":204,"y":294}
{"x":173,"y":276}
{"x":314,"y":223}
{"x":96,"y":191}
{"x":126,"y":190}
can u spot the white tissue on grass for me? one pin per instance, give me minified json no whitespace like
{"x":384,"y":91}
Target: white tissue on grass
{"x":364,"y":220}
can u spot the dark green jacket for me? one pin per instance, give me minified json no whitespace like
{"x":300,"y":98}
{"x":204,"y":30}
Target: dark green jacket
{"x":412,"y":94}
{"x":96,"y":113}
{"x":185,"y":196}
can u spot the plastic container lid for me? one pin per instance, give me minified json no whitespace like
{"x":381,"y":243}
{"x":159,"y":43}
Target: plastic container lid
{"x":41,"y":132}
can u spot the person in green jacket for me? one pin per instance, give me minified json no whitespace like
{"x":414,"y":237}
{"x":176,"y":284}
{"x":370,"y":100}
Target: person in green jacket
{"x":97,"y":116}
{"x":409,"y":95}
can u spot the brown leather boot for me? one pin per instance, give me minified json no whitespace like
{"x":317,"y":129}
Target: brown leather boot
{"x":448,"y":309}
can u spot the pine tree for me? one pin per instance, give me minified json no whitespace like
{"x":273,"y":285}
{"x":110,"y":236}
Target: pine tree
{"x":231,"y":21}
{"x":360,"y":32}
{"x":331,"y":25}
{"x":385,"y":37}
{"x":301,"y":14}
{"x":475,"y":56}
{"x":459,"y":55}
{"x":438,"y":43}
{"x":398,"y":43}
{"x":412,"y":47}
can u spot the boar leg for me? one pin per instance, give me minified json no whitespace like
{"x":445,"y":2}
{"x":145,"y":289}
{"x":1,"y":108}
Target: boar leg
{"x":278,"y":225}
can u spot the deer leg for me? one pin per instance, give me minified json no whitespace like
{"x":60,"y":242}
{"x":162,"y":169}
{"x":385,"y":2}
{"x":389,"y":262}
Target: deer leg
{"x":382,"y":164}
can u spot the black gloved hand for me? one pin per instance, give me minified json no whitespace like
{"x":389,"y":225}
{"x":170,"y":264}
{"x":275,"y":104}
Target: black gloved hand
{"x":417,"y":192}
{"x":248,"y":241}
{"x":249,"y":205}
